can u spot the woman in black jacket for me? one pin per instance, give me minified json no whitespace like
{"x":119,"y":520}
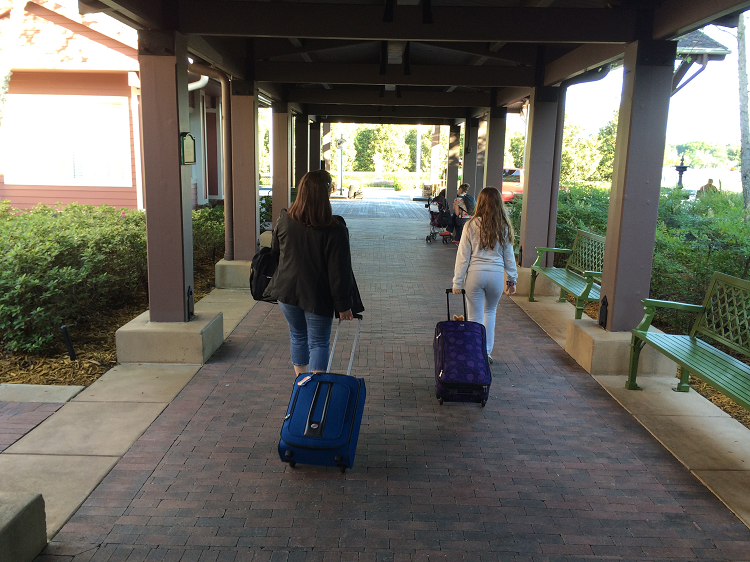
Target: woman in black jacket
{"x":314,"y":279}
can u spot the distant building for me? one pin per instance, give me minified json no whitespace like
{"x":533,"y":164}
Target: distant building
{"x":71,"y":127}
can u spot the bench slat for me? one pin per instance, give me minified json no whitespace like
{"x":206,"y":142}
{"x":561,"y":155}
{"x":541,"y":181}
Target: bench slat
{"x":571,"y":282}
{"x":730,"y":376}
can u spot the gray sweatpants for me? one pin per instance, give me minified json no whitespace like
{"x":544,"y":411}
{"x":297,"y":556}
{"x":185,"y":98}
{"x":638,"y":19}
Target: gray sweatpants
{"x":483,"y":291}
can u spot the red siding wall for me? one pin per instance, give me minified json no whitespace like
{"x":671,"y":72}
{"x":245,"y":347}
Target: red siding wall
{"x":28,"y":196}
{"x":70,"y":83}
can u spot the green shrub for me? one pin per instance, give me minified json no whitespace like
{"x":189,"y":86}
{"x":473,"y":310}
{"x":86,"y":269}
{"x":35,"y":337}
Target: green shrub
{"x":59,"y":266}
{"x":208,"y":234}
{"x":65,"y":265}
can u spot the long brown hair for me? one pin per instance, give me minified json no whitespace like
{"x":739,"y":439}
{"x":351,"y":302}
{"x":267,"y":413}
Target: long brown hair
{"x":495,"y":225}
{"x":312,"y":207}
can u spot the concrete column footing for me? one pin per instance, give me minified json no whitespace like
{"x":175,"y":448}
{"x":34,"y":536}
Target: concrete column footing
{"x":233,"y":274}
{"x":608,"y":353}
{"x":193,"y":342}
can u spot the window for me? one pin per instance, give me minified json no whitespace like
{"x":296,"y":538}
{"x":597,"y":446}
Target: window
{"x":67,"y":140}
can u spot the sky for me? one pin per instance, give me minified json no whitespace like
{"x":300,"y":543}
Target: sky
{"x":706,"y":109}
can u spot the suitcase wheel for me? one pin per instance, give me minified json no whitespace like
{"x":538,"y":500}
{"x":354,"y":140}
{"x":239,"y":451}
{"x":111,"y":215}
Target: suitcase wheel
{"x":427,"y":239}
{"x":440,"y":400}
{"x":343,"y":469}
{"x":483,"y":403}
{"x":292,"y":464}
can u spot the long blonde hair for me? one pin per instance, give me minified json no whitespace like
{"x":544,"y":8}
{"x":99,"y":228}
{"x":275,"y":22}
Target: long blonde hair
{"x":495,"y":225}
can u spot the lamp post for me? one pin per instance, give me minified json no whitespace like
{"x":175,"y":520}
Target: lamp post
{"x":340,"y":146}
{"x":681,"y":170}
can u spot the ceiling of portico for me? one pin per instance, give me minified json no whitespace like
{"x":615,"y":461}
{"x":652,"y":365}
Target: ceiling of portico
{"x":408,"y":60}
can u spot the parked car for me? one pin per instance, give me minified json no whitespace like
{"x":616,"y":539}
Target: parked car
{"x":512,"y":183}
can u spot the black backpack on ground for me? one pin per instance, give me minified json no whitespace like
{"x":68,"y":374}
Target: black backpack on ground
{"x":262,"y":269}
{"x":470,"y":204}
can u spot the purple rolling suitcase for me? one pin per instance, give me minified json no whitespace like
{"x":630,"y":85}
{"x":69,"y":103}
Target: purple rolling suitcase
{"x":462,"y":371}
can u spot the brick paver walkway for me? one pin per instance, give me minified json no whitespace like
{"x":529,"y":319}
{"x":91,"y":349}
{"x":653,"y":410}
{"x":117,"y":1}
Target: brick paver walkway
{"x":551,"y":469}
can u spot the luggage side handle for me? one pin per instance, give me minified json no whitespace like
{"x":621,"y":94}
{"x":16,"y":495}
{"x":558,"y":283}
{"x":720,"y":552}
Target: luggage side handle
{"x":354,"y":345}
{"x":448,"y":301}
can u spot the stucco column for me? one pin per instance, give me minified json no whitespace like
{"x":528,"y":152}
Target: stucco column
{"x":469,"y":173}
{"x":301,"y":147}
{"x":315,"y":146}
{"x":327,"y":147}
{"x":636,"y":182}
{"x":163,"y":61}
{"x":538,"y":174}
{"x":281,"y":165}
{"x":480,"y":179}
{"x":245,"y":169}
{"x":454,"y":154}
{"x":495,"y":151}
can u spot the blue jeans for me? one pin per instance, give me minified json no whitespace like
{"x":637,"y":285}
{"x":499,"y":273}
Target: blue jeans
{"x":310,"y":336}
{"x":459,"y":227}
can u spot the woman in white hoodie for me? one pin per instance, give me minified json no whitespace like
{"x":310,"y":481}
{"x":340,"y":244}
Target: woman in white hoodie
{"x":484,"y":254}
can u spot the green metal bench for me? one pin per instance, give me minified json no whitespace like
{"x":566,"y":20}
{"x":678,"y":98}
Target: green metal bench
{"x":582,"y":275}
{"x":723,"y":318}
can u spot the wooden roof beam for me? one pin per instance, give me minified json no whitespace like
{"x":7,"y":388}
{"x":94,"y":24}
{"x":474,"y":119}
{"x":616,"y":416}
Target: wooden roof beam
{"x":369,"y":74}
{"x":365,"y":22}
{"x":378,"y":97}
{"x":384,"y":111}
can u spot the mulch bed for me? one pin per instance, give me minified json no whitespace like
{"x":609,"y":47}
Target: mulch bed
{"x":94,"y":346}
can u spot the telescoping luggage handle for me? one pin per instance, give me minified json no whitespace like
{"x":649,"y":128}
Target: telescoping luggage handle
{"x":354,"y":345}
{"x":448,"y":300}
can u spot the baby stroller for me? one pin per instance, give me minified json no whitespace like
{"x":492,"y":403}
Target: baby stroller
{"x":439,"y":218}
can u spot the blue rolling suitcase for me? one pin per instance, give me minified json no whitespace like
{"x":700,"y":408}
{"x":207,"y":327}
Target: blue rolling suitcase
{"x":322,"y":421}
{"x":462,"y":371}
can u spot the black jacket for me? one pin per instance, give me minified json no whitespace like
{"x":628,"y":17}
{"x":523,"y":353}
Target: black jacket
{"x":315,"y":268}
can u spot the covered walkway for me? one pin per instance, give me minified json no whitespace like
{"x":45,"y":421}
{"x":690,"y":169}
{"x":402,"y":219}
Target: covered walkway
{"x":552,"y":469}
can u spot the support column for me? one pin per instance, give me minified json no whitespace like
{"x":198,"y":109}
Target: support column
{"x":496,"y":147}
{"x":538,"y":174}
{"x":281,"y":165}
{"x":301,"y":147}
{"x":636,"y":182}
{"x":315,"y":155}
{"x":163,"y":60}
{"x":454,"y":153}
{"x":434,"y":158}
{"x":481,"y":156}
{"x":327,"y":147}
{"x":469,"y":174}
{"x":245,"y":169}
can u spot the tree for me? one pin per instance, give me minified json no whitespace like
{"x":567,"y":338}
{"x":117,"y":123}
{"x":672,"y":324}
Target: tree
{"x":364,"y":145}
{"x":517,"y":148}
{"x":386,"y":140}
{"x":606,"y":141}
{"x":744,"y":118}
{"x":411,"y":141}
{"x":579,"y":156}
{"x":700,"y":154}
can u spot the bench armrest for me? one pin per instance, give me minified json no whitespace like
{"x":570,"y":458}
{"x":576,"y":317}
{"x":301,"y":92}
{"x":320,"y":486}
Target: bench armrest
{"x":588,"y":274}
{"x":672,"y":304}
{"x":650,"y":306}
{"x":540,"y":253}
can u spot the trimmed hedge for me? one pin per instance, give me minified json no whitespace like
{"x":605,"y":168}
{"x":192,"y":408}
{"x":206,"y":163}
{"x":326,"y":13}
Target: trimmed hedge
{"x":65,"y":265}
